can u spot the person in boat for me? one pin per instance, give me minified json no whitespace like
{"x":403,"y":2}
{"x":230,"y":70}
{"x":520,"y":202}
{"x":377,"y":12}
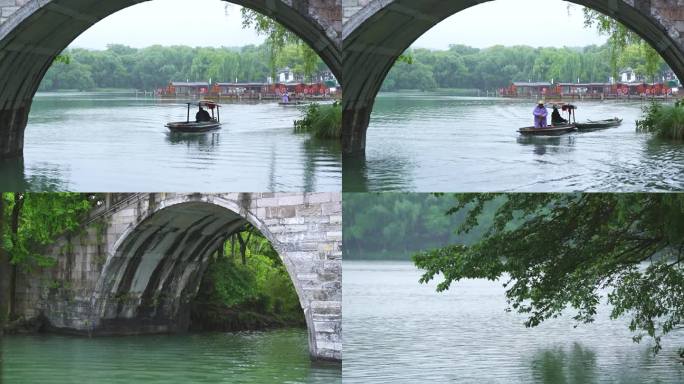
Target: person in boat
{"x":556,"y":118}
{"x":540,"y":114}
{"x":286,"y":98}
{"x":202,"y":115}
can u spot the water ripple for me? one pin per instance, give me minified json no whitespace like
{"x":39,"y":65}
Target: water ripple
{"x":429,"y":142}
{"x":259,"y":357}
{"x":117,"y":142}
{"x":398,"y":331}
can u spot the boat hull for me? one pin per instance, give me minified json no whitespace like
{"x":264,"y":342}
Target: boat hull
{"x":599,"y":124}
{"x":297,"y":103}
{"x":551,"y":130}
{"x":193,"y":127}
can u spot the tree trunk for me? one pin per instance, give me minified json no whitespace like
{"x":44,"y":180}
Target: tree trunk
{"x":4,"y":271}
{"x":243,"y":248}
{"x":243,"y":245}
{"x":232,"y":246}
{"x":16,"y":214}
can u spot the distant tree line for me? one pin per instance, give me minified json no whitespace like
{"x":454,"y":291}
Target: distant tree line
{"x":120,"y":66}
{"x":392,"y":226}
{"x":466,"y":67}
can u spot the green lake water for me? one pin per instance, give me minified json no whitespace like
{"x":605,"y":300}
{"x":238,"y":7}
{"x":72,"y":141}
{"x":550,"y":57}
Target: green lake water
{"x":250,"y":357}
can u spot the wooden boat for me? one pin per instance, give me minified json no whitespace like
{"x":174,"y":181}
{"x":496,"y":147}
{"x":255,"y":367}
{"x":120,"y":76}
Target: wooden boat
{"x":590,"y":124}
{"x":550,"y":130}
{"x":191,"y":127}
{"x":554,"y":129}
{"x":188,"y":126}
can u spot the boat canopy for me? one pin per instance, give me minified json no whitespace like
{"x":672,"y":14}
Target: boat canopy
{"x":212,"y":105}
{"x":203,"y":103}
{"x":565,"y":106}
{"x":569,"y":108}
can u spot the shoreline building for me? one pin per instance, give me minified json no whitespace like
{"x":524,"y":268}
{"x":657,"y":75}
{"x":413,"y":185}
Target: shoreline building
{"x":599,"y":91}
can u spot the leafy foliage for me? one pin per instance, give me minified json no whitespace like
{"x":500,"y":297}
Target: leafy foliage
{"x":463,"y":67}
{"x":62,"y":59}
{"x":491,"y":68}
{"x":666,"y":121}
{"x":321,"y":121}
{"x":123,"y":67}
{"x":256,"y":294}
{"x":622,"y":43}
{"x":562,"y":251}
{"x":278,"y":40}
{"x":29,"y":222}
{"x":41,"y":219}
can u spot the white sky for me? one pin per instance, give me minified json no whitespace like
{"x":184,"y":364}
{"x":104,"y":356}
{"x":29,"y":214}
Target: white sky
{"x":536,"y":23}
{"x":205,"y":23}
{"x":171,"y":22}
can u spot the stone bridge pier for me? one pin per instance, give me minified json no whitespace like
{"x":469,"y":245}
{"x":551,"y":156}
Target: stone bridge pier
{"x":138,"y":262}
{"x":34,"y":32}
{"x":376,"y":32}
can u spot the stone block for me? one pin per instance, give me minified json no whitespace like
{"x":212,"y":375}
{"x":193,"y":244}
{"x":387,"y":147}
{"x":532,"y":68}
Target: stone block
{"x":291,"y":200}
{"x":316,"y":198}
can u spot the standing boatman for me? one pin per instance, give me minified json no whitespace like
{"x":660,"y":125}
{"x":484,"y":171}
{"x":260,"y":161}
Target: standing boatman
{"x":540,"y":113}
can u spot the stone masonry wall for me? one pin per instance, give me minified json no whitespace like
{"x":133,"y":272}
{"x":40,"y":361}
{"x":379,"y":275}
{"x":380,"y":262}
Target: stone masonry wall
{"x":351,"y":7}
{"x":670,"y":13}
{"x":8,"y":7}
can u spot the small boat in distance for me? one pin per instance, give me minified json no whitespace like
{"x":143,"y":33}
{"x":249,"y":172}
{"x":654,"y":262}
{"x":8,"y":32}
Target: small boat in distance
{"x":294,"y":103}
{"x":600,"y":124}
{"x":198,"y":126}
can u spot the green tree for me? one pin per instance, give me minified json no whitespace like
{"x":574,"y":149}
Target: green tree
{"x":5,"y":268}
{"x":565,"y":251}
{"x":154,"y":67}
{"x":246,"y":286}
{"x":619,"y":38}
{"x":277,"y":36}
{"x":394,"y":225}
{"x":34,"y":221}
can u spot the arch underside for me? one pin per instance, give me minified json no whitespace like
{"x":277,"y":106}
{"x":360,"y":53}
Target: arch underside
{"x":148,"y":284}
{"x":39,"y":30}
{"x":377,"y":35}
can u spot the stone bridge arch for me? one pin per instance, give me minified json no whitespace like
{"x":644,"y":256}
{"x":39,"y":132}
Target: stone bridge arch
{"x":34,"y":32}
{"x":143,"y":274}
{"x":376,"y":32}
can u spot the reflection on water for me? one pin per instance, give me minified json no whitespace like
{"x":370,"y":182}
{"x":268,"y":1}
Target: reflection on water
{"x":206,"y":141}
{"x":316,"y":150}
{"x":397,"y":330}
{"x":434,"y":142}
{"x":543,"y":145}
{"x":249,"y":357}
{"x":43,"y":177}
{"x":117,"y":142}
{"x":377,"y":173}
{"x":556,"y":366}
